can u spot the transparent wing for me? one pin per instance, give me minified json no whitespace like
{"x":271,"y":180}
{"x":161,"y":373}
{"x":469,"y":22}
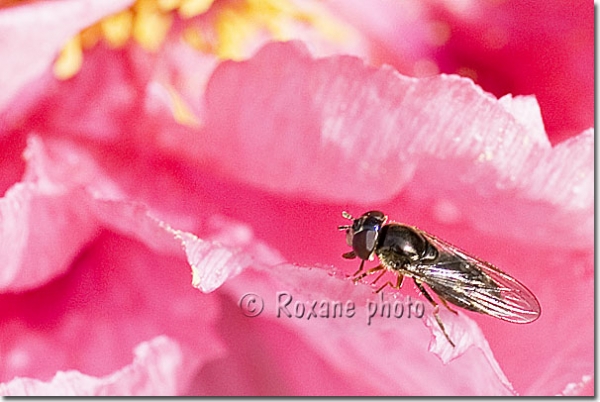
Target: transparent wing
{"x":476,"y":285}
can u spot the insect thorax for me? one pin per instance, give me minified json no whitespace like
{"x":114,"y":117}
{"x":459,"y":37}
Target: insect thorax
{"x":400,"y":246}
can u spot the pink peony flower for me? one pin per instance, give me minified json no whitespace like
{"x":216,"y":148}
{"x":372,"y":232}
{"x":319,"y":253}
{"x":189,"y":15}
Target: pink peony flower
{"x":151,"y":162}
{"x":507,"y":47}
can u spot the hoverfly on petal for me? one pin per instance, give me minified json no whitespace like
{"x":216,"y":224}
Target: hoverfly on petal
{"x":452,"y":274}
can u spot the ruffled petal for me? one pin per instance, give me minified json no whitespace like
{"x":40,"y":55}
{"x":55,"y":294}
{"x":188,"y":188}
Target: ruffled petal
{"x":437,"y":152}
{"x":34,"y":32}
{"x":384,"y":355}
{"x":155,"y":370}
{"x":33,"y":214}
{"x":359,"y":134}
{"x":289,"y":142}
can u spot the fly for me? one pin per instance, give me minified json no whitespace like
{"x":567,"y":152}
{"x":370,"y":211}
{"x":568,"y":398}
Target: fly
{"x":453,"y":275}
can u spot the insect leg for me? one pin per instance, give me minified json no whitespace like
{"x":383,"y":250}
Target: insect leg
{"x":369,"y":272}
{"x":445,"y":303}
{"x":378,"y":278}
{"x":360,"y":268}
{"x":399,"y":280}
{"x":436,"y":310}
{"x":349,"y":255}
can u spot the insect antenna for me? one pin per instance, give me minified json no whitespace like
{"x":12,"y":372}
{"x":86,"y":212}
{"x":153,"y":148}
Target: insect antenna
{"x":347,"y":215}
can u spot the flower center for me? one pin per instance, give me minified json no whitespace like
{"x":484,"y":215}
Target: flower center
{"x":224,"y":28}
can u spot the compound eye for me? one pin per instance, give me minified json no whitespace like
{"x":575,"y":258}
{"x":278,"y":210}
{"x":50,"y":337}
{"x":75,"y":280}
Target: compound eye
{"x":349,"y":237}
{"x":377,"y":215}
{"x":363,"y":243}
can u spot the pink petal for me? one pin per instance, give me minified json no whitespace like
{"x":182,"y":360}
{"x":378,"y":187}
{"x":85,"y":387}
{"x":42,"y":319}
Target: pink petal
{"x":155,"y":370}
{"x":49,"y":163}
{"x":509,"y":47}
{"x":439,"y":153}
{"x":583,"y":388}
{"x":467,"y":167}
{"x":33,"y":33}
{"x":64,"y":201}
{"x":33,"y":215}
{"x":361,"y":134}
{"x":521,"y":48}
{"x":387,"y":357}
{"x":116,"y":295}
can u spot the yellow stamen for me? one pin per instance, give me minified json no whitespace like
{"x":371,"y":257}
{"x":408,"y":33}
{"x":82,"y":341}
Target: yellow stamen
{"x":229,"y":31}
{"x":196,"y":40}
{"x":146,"y":6}
{"x":90,"y":36}
{"x":192,"y":8}
{"x":117,"y":28}
{"x":150,"y":29}
{"x":237,"y":23}
{"x":233,"y":30}
{"x":235,"y":26}
{"x":70,"y":59}
{"x":182,"y":113}
{"x":168,"y":5}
